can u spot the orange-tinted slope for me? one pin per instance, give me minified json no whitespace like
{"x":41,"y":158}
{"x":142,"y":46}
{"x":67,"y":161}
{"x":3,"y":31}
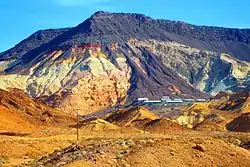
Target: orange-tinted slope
{"x":20,"y":112}
{"x":215,"y":114}
{"x":163,"y":125}
{"x":131,"y":117}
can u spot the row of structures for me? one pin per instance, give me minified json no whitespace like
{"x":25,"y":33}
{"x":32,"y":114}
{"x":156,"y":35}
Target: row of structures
{"x":168,"y":100}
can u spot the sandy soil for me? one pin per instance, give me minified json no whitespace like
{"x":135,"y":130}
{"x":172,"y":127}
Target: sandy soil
{"x":130,"y":148}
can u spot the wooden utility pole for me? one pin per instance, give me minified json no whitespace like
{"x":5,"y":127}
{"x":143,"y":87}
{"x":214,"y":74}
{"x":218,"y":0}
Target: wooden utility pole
{"x":77,"y":125}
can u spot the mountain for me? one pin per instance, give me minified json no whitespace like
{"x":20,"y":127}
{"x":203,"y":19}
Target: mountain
{"x":113,"y":58}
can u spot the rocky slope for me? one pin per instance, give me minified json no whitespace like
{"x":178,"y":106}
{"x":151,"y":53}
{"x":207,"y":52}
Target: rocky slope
{"x":131,"y":117}
{"x":233,"y":102}
{"x":112,"y":59}
{"x":240,"y":124}
{"x":223,"y":111}
{"x":19,"y":112}
{"x":149,"y":151}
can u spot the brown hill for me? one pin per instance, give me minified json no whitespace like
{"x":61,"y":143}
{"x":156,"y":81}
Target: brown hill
{"x":20,"y":112}
{"x":214,"y":115}
{"x":163,"y":125}
{"x":232,"y":102}
{"x":143,"y":119}
{"x":97,"y":124}
{"x":213,"y":122}
{"x":131,"y":117}
{"x":240,"y":124}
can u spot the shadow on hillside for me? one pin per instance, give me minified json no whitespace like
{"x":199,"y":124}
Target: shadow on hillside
{"x":14,"y":134}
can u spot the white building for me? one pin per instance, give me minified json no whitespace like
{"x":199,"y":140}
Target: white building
{"x":142,"y":99}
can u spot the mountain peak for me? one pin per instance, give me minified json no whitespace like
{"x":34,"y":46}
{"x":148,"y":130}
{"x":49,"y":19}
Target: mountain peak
{"x":99,"y":13}
{"x":102,"y":14}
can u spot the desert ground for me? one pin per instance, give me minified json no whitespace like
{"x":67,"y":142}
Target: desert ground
{"x":33,"y":134}
{"x":110,"y":147}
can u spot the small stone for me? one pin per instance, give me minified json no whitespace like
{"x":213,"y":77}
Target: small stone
{"x":140,"y":146}
{"x":234,"y":141}
{"x":61,"y":164}
{"x":39,"y":163}
{"x":169,"y":138}
{"x":237,"y":142}
{"x":142,"y":142}
{"x":79,"y":155}
{"x":199,"y":147}
{"x":151,"y":141}
{"x":130,"y":142}
{"x":125,"y":147}
{"x":58,"y":153}
{"x":233,"y":154}
{"x":126,"y":151}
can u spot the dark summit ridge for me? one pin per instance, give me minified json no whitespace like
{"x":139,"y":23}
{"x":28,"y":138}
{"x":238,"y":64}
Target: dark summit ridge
{"x":100,"y":13}
{"x":103,"y":14}
{"x":105,"y":27}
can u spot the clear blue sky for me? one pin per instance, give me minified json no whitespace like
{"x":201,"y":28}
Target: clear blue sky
{"x":21,"y":18}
